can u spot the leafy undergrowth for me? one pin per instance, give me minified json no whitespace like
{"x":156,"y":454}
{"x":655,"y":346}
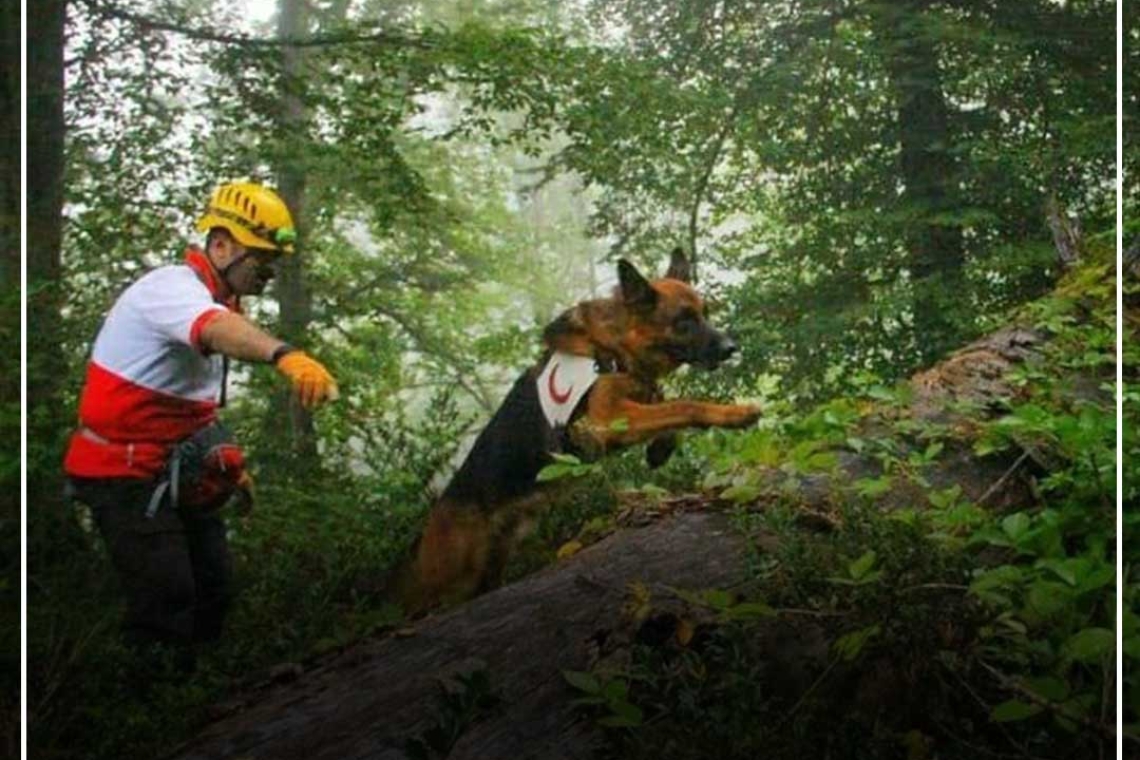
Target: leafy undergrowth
{"x":1130,"y":497}
{"x":887,"y":614}
{"x":301,"y":595}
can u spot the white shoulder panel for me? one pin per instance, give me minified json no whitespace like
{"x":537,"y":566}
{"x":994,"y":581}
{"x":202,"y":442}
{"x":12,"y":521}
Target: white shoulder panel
{"x":562,"y":384}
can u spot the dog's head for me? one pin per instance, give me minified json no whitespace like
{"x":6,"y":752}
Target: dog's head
{"x":665,"y":320}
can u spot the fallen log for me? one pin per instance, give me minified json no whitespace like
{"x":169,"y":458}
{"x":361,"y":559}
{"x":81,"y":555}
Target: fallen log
{"x":384,"y":697}
{"x":371,"y":700}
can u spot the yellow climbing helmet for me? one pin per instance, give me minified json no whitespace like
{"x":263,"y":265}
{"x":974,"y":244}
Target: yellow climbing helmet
{"x":255,"y":215}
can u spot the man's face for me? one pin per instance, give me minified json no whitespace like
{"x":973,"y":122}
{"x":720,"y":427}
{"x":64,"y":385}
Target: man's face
{"x":250,"y":277}
{"x":254,"y":269}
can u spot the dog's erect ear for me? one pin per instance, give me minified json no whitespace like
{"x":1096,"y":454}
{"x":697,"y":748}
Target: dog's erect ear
{"x":679,"y":268}
{"x":636,"y":291}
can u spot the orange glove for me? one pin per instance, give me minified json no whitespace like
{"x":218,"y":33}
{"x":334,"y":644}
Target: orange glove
{"x":243,"y":496}
{"x":311,"y":380}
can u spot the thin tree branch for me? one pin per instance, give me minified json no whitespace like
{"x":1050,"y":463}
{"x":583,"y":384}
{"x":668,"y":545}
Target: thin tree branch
{"x":1014,"y":685}
{"x":1001,"y":481}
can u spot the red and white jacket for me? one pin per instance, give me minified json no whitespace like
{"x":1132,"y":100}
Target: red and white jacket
{"x":149,"y":382}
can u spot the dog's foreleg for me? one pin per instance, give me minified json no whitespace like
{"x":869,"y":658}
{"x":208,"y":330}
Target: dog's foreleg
{"x":660,"y":449}
{"x":642,"y":422}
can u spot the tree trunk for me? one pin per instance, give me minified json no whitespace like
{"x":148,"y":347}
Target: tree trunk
{"x":293,"y":293}
{"x":377,"y":697}
{"x":45,"y":134}
{"x":928,"y":172}
{"x":10,"y":186}
{"x":10,"y":521}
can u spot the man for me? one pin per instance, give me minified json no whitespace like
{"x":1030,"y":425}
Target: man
{"x":154,"y":384}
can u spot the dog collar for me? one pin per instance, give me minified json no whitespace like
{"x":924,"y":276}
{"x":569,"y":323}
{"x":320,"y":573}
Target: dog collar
{"x":562,"y":383}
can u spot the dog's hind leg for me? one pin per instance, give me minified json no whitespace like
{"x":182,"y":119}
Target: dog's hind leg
{"x":513,"y":522}
{"x":449,"y":560}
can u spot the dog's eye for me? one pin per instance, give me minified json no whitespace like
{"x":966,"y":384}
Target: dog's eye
{"x":686,"y":322}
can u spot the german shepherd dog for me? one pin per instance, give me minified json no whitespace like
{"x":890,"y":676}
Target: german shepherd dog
{"x":629,"y":341}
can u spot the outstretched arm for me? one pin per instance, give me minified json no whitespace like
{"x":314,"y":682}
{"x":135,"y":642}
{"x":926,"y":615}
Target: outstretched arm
{"x":235,"y":336}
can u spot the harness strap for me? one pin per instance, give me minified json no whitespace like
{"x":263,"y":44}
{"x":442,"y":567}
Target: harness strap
{"x":166,"y":487}
{"x":225,"y":376}
{"x":156,"y":499}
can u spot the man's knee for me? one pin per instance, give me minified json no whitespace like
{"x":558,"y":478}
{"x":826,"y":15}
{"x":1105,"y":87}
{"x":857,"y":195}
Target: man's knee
{"x":161,"y":602}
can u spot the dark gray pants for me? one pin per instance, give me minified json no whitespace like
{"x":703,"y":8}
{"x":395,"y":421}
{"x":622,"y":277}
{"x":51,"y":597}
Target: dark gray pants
{"x":175,"y":567}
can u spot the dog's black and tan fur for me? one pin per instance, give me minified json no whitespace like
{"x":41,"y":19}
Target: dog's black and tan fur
{"x":646,"y":330}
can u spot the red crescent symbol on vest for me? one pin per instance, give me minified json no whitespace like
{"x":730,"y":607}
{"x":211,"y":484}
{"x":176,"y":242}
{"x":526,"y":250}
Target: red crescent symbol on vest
{"x":559,"y":398}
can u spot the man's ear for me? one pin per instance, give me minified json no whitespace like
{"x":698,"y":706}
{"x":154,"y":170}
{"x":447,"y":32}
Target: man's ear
{"x":679,"y":268}
{"x":218,"y":239}
{"x":636,"y":291}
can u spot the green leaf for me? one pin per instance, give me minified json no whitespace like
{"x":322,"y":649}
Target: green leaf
{"x":718,"y":599}
{"x":627,"y":711}
{"x":873,"y":487}
{"x":1016,"y":525}
{"x":749,"y":611}
{"x":992,"y":585}
{"x":1092,"y":645}
{"x":1050,"y":687}
{"x":620,"y":425}
{"x":582,"y":681}
{"x":945,"y":498}
{"x":552,"y":473}
{"x":1046,"y":598}
{"x":1013,"y":710}
{"x":741,"y":494}
{"x":860,"y":567}
{"x":850,"y":645}
{"x":615,"y":690}
{"x":1062,"y":568}
{"x":881,"y":393}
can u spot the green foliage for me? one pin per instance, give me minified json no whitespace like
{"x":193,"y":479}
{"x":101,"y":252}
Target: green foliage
{"x":1130,"y":498}
{"x":785,"y":160}
{"x":566,"y":466}
{"x":611,"y":695}
{"x":464,"y":176}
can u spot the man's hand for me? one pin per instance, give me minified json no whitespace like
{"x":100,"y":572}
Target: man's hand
{"x":313,"y":383}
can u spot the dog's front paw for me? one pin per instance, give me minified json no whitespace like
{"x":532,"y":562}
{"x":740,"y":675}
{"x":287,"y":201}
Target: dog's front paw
{"x":659,"y":450}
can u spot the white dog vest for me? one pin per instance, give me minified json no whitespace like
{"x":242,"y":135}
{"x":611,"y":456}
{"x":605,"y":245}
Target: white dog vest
{"x":562,"y":383}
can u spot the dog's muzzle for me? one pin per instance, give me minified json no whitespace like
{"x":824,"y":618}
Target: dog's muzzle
{"x":710,"y":353}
